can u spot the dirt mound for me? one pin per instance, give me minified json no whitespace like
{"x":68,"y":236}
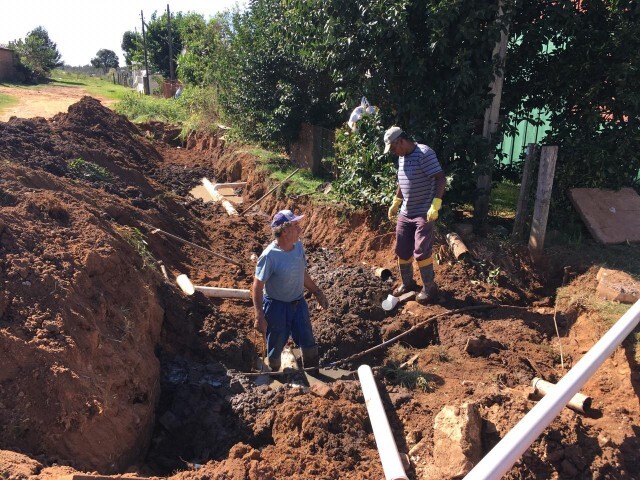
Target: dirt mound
{"x":81,"y":308}
{"x":109,"y":367}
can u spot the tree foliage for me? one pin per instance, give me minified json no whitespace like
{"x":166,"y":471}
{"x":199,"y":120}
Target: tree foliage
{"x":105,"y":59}
{"x":365,"y":177}
{"x":428,"y":66}
{"x":131,"y":46}
{"x":191,"y":26}
{"x":38,"y":55}
{"x":266,"y":89}
{"x":203,"y":48}
{"x":580,"y":61}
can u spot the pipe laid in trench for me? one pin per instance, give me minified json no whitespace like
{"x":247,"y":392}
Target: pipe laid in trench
{"x":508,"y":450}
{"x":389,"y":455}
{"x":218,"y":197}
{"x":219,"y":292}
{"x":579,"y":402}
{"x":189,"y":288}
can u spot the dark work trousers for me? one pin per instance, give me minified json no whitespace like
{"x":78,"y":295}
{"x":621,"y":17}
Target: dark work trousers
{"x":414,"y":237}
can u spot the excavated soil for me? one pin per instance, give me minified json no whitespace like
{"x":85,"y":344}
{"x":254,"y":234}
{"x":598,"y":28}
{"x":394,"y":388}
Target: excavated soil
{"x":108,"y":368}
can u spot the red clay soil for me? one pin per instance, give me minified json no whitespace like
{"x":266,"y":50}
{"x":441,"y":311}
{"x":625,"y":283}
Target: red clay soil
{"x":109,"y":368}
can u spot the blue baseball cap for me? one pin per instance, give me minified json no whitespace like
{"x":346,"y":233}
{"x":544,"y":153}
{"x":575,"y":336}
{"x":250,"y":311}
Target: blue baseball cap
{"x":284,"y":216}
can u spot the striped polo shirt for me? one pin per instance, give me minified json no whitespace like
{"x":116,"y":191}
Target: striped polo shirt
{"x":416,"y":179}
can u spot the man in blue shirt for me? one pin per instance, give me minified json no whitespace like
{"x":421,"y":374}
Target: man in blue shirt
{"x":278,"y":292}
{"x":421,"y":183}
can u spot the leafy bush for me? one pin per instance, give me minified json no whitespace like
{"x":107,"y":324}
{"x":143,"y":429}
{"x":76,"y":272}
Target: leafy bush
{"x":141,"y":108}
{"x":195,"y":110}
{"x":200,"y":109}
{"x":365,"y":176}
{"x":580,"y":64}
{"x":82,"y":169}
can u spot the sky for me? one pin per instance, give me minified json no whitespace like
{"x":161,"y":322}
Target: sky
{"x":80,"y":28}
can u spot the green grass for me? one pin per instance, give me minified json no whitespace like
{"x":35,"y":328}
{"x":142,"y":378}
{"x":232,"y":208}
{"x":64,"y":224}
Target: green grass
{"x":504,"y":200}
{"x":95,"y":86}
{"x":136,"y":239}
{"x":265,"y":156}
{"x":410,"y":378}
{"x":303,"y":183}
{"x":82,"y":169}
{"x":195,"y":110}
{"x":7,"y":101}
{"x":142,"y":108}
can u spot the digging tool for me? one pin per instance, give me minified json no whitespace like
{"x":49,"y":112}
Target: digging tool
{"x":170,"y":235}
{"x":269,"y":192}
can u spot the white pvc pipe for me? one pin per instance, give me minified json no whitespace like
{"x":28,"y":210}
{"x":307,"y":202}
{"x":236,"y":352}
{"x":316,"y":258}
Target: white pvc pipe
{"x":217,"y":186}
{"x":219,"y":292}
{"x":387,"y":449}
{"x":217,"y":197}
{"x":579,"y":402}
{"x":507,"y":452}
{"x":185,"y":284}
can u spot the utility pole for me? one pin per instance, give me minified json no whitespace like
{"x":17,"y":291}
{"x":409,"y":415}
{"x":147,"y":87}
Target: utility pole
{"x":145,"y":78}
{"x":171,"y":73}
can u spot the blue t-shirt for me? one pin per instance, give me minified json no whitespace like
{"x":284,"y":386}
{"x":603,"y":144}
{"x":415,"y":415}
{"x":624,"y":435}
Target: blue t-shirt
{"x":417,"y":182}
{"x":282,"y":272}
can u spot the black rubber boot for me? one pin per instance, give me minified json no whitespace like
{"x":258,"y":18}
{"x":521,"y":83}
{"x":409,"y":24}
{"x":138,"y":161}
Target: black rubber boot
{"x":273,"y":364}
{"x":428,"y":294}
{"x":429,"y":290}
{"x":406,"y":275}
{"x":311,"y":358}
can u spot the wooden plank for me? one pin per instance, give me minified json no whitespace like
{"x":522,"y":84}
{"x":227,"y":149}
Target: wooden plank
{"x":548,"y":157}
{"x":611,"y":217}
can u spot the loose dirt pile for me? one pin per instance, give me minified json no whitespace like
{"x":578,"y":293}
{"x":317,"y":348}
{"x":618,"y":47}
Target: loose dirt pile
{"x":108,"y":367}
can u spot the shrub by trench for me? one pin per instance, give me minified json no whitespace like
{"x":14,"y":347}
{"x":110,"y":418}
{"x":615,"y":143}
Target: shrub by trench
{"x":365,"y":177}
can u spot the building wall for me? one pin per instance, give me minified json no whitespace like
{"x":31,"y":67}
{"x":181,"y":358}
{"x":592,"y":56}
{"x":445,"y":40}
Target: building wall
{"x":7,"y":68}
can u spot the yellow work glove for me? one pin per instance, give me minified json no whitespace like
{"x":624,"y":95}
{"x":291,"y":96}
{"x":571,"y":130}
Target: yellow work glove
{"x":432,"y":214}
{"x":393,"y":209}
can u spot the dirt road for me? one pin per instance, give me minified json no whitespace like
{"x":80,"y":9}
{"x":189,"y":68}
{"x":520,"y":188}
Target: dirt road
{"x":44,"y":101}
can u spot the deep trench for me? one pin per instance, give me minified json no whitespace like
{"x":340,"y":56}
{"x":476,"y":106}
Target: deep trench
{"x":203,"y":408}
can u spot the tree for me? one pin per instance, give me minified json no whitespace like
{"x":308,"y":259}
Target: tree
{"x":158,"y":41}
{"x":579,"y":62}
{"x":132,"y":47}
{"x":37,"y":54}
{"x":267,"y":90}
{"x":426,"y":64}
{"x":105,"y":59}
{"x":204,"y":45}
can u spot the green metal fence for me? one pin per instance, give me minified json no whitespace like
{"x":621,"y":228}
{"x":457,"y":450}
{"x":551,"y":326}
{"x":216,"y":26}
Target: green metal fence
{"x":514,"y":147}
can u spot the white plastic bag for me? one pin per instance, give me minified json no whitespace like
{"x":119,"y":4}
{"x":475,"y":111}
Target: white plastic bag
{"x":359,"y":111}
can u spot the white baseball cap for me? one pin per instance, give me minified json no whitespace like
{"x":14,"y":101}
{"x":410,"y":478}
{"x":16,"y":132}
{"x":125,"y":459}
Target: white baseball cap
{"x":391,"y":136}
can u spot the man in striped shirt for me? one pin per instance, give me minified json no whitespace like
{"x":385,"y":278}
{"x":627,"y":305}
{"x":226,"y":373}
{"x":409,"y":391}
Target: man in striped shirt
{"x":421,"y":183}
